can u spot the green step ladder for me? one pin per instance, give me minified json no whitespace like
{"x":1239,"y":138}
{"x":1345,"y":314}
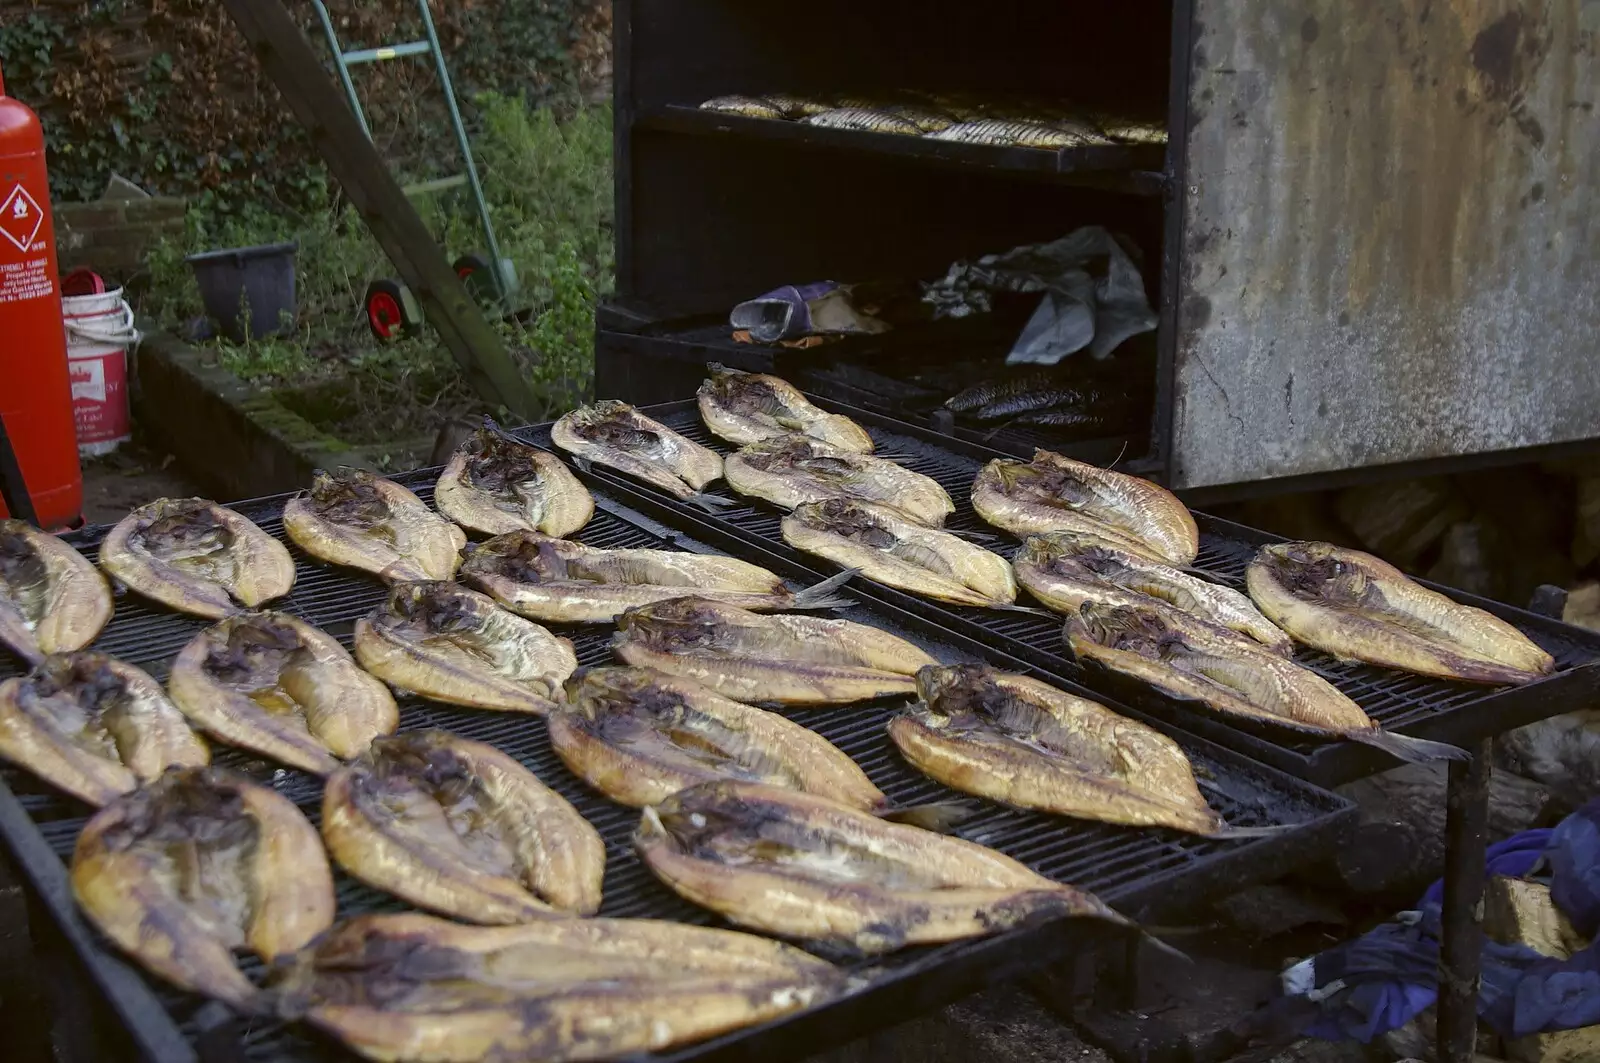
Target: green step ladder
{"x":390,"y":307}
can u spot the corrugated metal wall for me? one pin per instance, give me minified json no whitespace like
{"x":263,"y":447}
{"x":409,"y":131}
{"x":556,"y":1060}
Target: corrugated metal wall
{"x":1391,"y":234}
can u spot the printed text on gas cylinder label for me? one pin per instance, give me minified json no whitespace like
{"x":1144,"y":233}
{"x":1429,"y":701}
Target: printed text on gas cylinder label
{"x":28,"y":279}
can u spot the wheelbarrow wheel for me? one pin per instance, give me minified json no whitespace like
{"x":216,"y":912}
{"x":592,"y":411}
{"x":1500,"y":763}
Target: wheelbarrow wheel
{"x":474,"y":271}
{"x":388,"y":315}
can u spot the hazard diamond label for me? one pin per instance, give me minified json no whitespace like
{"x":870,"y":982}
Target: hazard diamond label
{"x":20,"y":218}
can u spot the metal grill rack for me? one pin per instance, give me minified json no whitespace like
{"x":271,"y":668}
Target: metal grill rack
{"x":1428,"y":708}
{"x":1137,"y":870}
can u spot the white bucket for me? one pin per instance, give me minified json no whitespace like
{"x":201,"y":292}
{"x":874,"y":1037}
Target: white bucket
{"x":100,"y":333}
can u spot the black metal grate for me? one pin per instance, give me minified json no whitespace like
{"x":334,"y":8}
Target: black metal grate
{"x":1429,"y":708}
{"x":1131,"y":868}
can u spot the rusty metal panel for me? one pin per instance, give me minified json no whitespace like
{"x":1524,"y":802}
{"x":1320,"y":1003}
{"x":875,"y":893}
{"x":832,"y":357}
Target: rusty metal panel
{"x":1391,"y":234}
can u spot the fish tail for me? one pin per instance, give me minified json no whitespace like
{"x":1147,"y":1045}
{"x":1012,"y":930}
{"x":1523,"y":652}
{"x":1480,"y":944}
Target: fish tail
{"x":718,"y":367}
{"x":583,"y":463}
{"x":939,"y":816}
{"x":1003,"y":426}
{"x":821,"y":596}
{"x":710,"y":503}
{"x":1411,"y":750}
{"x":973,"y":536}
{"x":1162,"y":947}
{"x":1240,"y":833}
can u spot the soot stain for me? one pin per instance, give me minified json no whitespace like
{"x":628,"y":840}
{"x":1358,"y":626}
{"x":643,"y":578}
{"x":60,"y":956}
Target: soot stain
{"x":1494,"y":54}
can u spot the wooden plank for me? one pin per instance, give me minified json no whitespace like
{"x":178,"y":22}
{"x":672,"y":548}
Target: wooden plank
{"x":288,"y":59}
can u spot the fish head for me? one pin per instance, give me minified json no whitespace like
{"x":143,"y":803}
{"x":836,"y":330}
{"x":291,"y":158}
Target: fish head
{"x":1132,"y":628}
{"x":350,"y":497}
{"x":186,"y":808}
{"x":939,"y":686}
{"x":613,"y":423}
{"x":497,"y":462}
{"x":523,"y":556}
{"x":424,"y":758}
{"x":677,"y":624}
{"x":697,"y":817}
{"x":438,"y":607}
{"x":176,"y":528}
{"x":252,"y":648}
{"x":1315,"y":572}
{"x":87,"y":678}
{"x":23,"y":567}
{"x":848,"y":518}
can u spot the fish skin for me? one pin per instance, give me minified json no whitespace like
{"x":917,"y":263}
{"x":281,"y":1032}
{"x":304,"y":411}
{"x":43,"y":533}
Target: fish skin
{"x":756,"y":658}
{"x":94,"y":726}
{"x":791,"y":469}
{"x":744,"y":106}
{"x":413,"y":987}
{"x":889,"y":548}
{"x":52,"y":600}
{"x":745,"y":408}
{"x":495,"y":483}
{"x":615,"y":434}
{"x":865,"y":120}
{"x":1065,"y":569}
{"x":259,"y":864}
{"x":1024,"y":743}
{"x":770,"y":859}
{"x":456,"y":645}
{"x":459,"y":827}
{"x":353,"y":518}
{"x":315,"y":703}
{"x":1056,"y":493}
{"x":1005,"y":132}
{"x":559,"y":581}
{"x":242,"y":564}
{"x":617,"y":729}
{"x":796,"y":106}
{"x":1357,"y":607}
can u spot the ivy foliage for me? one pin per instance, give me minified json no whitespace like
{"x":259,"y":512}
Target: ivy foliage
{"x":167,"y":93}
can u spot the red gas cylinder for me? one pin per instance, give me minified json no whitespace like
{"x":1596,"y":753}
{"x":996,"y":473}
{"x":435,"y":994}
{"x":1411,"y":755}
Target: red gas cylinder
{"x":35,"y":396}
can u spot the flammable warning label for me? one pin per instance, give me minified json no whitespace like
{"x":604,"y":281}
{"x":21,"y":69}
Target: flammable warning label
{"x":28,"y":279}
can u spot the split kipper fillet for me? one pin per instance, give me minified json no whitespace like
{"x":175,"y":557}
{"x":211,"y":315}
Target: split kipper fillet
{"x":1356,"y":607}
{"x":803,"y":867}
{"x":1054,"y":493}
{"x":1064,"y":569}
{"x":755,"y":657}
{"x":1231,"y":675}
{"x":51,"y":598}
{"x":413,"y":987}
{"x":272,"y":683}
{"x":746,"y":408}
{"x":1024,"y":743}
{"x":93,"y":726}
{"x":198,"y":864}
{"x":461,"y":828}
{"x":792,"y":469}
{"x":351,"y":517}
{"x":195,"y":556}
{"x":495,"y":483}
{"x":614,"y":434}
{"x":560,"y":581}
{"x":455,"y":645}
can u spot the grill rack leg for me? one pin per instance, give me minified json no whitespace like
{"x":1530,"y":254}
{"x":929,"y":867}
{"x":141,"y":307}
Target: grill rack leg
{"x":1466,"y":839}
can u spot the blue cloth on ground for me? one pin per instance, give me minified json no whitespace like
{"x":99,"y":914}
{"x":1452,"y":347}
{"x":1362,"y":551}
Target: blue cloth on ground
{"x":1383,"y":979}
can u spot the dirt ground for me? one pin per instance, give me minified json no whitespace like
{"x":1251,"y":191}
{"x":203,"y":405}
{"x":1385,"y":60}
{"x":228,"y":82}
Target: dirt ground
{"x":132,"y":476}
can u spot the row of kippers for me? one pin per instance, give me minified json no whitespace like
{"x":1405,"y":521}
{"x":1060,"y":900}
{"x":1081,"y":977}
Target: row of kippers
{"x":743,"y":810}
{"x":1022,"y":124}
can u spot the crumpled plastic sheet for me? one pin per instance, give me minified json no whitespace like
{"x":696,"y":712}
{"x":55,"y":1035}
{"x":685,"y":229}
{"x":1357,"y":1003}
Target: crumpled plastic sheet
{"x":1094,"y":295}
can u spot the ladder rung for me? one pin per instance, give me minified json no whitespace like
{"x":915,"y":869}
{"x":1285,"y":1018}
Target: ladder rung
{"x":438,"y":184}
{"x":393,"y":51}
